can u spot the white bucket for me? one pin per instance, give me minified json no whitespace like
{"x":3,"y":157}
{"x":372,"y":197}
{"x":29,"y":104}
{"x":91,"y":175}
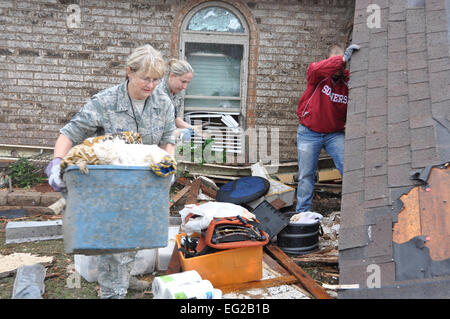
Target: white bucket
{"x":190,"y":290}
{"x":161,"y":283}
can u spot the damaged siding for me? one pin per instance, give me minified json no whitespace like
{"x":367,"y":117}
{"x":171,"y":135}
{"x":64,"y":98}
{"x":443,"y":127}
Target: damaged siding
{"x":49,"y":68}
{"x":397,"y":124}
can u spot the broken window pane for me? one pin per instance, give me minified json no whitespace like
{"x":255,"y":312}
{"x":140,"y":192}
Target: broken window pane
{"x":217,"y":75}
{"x":215,"y":19}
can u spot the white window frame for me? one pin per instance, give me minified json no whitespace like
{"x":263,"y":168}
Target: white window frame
{"x":242,"y":38}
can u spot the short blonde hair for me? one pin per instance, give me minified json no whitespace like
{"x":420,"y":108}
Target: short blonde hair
{"x":179,"y":67}
{"x":147,"y":59}
{"x":335,"y":49}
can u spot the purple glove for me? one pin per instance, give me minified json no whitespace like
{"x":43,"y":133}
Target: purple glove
{"x":53,"y":171}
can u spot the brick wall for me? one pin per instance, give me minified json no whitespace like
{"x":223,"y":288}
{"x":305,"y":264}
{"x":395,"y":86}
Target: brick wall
{"x":49,"y":70}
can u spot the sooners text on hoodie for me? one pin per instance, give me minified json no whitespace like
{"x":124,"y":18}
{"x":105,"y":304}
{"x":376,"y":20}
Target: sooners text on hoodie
{"x":323,"y":105}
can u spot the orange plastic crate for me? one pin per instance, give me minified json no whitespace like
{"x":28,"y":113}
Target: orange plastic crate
{"x":226,"y":267}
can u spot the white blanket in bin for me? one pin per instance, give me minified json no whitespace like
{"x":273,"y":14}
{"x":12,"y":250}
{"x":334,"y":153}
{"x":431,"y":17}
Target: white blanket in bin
{"x":117,"y":152}
{"x":123,"y":148}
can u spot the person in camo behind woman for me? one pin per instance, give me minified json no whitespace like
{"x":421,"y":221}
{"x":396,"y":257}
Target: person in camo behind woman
{"x":129,"y":106}
{"x":174,"y":84}
{"x":322,"y":112}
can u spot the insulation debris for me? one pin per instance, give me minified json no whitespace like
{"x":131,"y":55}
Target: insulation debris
{"x":10,"y":263}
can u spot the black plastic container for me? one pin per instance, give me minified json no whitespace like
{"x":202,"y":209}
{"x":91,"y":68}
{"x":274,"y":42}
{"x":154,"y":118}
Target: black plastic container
{"x":272,"y":221}
{"x":299,"y":239}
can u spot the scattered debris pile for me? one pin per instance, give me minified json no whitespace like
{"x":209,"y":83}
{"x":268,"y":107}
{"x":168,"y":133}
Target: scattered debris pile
{"x":285,"y":275}
{"x":313,"y":274}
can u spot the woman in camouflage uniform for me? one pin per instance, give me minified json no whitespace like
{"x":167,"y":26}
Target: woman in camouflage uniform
{"x":174,"y":84}
{"x":129,"y":106}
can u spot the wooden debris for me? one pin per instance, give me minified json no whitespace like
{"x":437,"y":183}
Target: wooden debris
{"x":337,"y":287}
{"x":34,"y":217}
{"x":184,"y":181}
{"x":318,"y":259}
{"x":265,"y":283}
{"x":328,"y":255}
{"x":328,"y":175}
{"x":58,"y":206}
{"x":329,"y":274}
{"x":426,"y":213}
{"x":288,"y":272}
{"x":193,"y":193}
{"x":313,"y":287}
{"x":179,"y":195}
{"x":287,"y":178}
{"x":208,"y":191}
{"x":53,"y":275}
{"x":174,"y":263}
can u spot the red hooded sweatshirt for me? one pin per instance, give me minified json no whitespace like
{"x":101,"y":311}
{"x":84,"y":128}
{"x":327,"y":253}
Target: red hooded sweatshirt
{"x":323,"y":106}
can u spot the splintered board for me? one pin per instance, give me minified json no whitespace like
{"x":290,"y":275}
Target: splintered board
{"x":426,"y":212}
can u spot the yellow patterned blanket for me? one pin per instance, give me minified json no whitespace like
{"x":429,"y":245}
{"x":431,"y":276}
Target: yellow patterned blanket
{"x":83,"y":154}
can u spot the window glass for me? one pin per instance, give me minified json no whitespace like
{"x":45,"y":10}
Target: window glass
{"x":215,"y":19}
{"x":217,"y":77}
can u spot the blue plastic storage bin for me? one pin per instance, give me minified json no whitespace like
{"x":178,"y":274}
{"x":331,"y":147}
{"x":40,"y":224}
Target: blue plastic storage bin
{"x":114,"y":209}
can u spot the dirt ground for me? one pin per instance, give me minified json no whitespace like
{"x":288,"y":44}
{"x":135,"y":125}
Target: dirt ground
{"x":60,"y":273}
{"x":58,"y":277}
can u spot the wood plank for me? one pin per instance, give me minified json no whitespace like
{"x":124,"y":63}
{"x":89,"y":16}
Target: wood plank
{"x":265,"y":283}
{"x":328,"y":175}
{"x":183,"y":181}
{"x":179,"y":195}
{"x":313,"y":287}
{"x":193,"y":193}
{"x":274,"y":265}
{"x":208,"y":191}
{"x":174,"y":263}
{"x":408,"y":220}
{"x":318,"y":259}
{"x":435,"y":213}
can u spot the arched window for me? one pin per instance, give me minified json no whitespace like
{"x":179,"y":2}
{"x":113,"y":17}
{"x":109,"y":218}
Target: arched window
{"x":214,"y":40}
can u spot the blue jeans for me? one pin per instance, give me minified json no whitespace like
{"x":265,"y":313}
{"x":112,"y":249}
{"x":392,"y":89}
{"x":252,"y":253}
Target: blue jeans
{"x":309,"y":145}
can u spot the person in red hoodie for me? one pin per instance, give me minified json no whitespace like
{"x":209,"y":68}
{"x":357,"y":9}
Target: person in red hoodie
{"x":322,"y":113}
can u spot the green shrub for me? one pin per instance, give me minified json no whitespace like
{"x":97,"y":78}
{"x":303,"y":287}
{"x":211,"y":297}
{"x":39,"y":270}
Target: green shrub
{"x":24,"y":174}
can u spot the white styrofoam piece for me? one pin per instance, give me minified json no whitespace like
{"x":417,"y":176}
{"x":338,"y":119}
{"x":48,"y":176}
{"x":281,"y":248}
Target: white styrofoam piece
{"x":164,"y":254}
{"x":276,"y":190}
{"x":86,"y":265}
{"x":146,"y":260}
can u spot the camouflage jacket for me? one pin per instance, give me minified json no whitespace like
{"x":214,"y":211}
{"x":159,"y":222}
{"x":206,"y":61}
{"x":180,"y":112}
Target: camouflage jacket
{"x":110,"y":111}
{"x":177,"y":99}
